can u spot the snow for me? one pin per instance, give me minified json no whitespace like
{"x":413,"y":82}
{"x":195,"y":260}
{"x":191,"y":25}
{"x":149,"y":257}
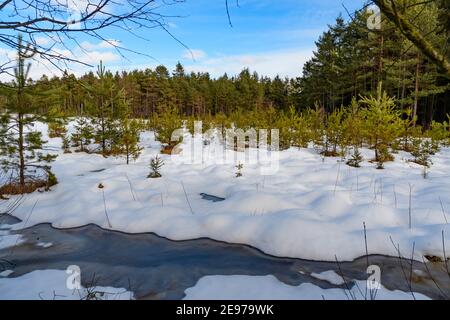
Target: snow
{"x":270,"y":288}
{"x":8,"y":240}
{"x":330,"y":276}
{"x":6,"y":273}
{"x":312,"y":208}
{"x":51,"y":285}
{"x":44,"y":244}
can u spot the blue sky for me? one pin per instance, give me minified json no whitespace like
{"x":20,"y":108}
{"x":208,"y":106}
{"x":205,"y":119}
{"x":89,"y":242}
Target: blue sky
{"x":268,"y":36}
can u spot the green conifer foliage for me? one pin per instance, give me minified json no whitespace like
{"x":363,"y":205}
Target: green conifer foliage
{"x":156,"y":164}
{"x":83,"y":135}
{"x":21,"y":147}
{"x":382,"y":124}
{"x":128,"y":140}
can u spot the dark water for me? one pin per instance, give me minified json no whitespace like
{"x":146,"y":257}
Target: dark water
{"x":157,"y":268}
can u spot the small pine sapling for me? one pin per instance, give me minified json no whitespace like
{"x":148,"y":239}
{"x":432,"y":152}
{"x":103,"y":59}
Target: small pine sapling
{"x":439,"y":134}
{"x":422,"y":151}
{"x":383,"y":157}
{"x":356,"y":159}
{"x":382,"y":124}
{"x":167,"y":122}
{"x":156,"y":164}
{"x":408,"y":129}
{"x":56,"y":129}
{"x":66,"y":144}
{"x":128,"y":139}
{"x":51,"y":180}
{"x":83,"y":134}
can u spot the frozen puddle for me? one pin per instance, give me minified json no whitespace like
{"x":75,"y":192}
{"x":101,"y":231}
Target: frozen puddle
{"x":152,"y":267}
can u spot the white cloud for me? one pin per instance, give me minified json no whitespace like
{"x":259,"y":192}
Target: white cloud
{"x":172,"y":25}
{"x":41,"y":66}
{"x":194,"y":54}
{"x":108,"y":44}
{"x":287,"y":62}
{"x":105,"y":44}
{"x":283,"y":63}
{"x":42,"y":41}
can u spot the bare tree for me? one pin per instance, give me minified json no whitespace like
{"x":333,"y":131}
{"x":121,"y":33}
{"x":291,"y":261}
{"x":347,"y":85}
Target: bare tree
{"x":64,"y":21}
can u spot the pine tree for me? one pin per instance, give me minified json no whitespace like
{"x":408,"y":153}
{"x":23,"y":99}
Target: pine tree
{"x":422,"y":151}
{"x":108,"y":106}
{"x":21,"y":147}
{"x":156,"y":164}
{"x":333,"y":132}
{"x":382,"y":125}
{"x":56,"y":124}
{"x":83,"y":134}
{"x":128,"y":140}
{"x":352,"y":126}
{"x":166,"y":123}
{"x":66,"y":144}
{"x":356,"y":159}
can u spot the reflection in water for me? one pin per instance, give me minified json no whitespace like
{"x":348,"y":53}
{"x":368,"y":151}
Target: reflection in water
{"x":157,"y":268}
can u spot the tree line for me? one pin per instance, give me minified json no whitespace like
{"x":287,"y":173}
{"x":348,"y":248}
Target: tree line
{"x":350,"y":61}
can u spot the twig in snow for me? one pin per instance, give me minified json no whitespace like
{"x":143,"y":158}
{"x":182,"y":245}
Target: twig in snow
{"x":443,"y":210}
{"x":400,"y":259}
{"x":357,"y":181}
{"x":345,"y":280}
{"x":381,"y":190}
{"x":106,"y":211}
{"x":410,"y":205}
{"x":187,"y":199}
{"x":445,"y":255}
{"x":395,"y":197}
{"x":131,"y":187}
{"x":411,"y":268}
{"x":375,"y":195}
{"x":371,"y":181}
{"x":337,"y":178}
{"x":367,"y":256}
{"x":434,"y":281}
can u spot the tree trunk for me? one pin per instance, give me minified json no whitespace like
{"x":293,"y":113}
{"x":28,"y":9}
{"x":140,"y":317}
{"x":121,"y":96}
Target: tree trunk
{"x":21,"y":153}
{"x":128,"y":153}
{"x":416,"y":92}
{"x":380,"y":62}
